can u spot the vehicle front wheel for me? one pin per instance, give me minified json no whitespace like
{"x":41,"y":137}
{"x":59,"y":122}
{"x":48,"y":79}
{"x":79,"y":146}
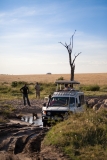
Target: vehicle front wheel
{"x":44,"y":123}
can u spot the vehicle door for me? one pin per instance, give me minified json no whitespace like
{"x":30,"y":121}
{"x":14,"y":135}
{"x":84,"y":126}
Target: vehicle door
{"x":72,"y":105}
{"x":79,"y":103}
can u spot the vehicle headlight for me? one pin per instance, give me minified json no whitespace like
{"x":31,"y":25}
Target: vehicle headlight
{"x":48,"y":113}
{"x":44,"y":112}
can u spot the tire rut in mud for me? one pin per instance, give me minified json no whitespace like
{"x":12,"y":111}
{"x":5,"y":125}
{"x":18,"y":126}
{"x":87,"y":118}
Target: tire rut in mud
{"x":22,"y":140}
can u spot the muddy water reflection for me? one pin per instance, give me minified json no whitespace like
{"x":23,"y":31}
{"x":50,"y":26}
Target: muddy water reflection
{"x":31,"y":120}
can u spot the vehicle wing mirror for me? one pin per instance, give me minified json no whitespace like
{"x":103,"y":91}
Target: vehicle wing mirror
{"x":44,"y":104}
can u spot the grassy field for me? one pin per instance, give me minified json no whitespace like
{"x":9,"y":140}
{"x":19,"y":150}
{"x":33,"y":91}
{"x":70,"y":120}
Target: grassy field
{"x":90,"y":84}
{"x":85,"y":79}
{"x":82,"y":136}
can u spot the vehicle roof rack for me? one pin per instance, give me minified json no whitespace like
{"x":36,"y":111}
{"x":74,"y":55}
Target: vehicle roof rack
{"x":66,"y":82}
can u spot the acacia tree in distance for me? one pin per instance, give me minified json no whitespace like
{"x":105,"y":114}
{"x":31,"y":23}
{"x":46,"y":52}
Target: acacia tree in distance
{"x":71,"y":62}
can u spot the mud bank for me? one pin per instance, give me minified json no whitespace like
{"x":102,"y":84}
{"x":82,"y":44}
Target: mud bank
{"x":21,"y":140}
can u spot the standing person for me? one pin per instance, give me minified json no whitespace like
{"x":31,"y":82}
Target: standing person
{"x":66,"y":87}
{"x":37,"y":88}
{"x":25,"y":91}
{"x":70,"y":87}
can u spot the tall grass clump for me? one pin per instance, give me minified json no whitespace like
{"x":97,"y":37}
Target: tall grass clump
{"x":82,"y":137}
{"x":103,"y":88}
{"x":90,"y":88}
{"x":4,"y":89}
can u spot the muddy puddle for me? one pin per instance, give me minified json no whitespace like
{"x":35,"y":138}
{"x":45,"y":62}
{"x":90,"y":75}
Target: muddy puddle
{"x":32,"y":120}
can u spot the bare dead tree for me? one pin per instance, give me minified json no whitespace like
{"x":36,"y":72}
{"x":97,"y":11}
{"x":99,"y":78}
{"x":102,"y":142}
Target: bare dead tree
{"x":71,"y":62}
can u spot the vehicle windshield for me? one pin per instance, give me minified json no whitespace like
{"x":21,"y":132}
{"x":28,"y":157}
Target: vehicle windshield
{"x":61,"y":101}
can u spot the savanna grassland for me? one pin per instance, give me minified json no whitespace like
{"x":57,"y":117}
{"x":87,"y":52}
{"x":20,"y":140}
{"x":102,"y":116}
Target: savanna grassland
{"x":85,"y":79}
{"x":83,"y":136}
{"x":89,"y":83}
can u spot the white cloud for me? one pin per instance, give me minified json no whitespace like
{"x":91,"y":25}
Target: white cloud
{"x":30,"y":34}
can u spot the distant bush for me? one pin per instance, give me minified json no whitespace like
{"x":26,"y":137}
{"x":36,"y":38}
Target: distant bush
{"x":90,"y":88}
{"x":21,"y":83}
{"x":16,"y":83}
{"x":61,"y":78}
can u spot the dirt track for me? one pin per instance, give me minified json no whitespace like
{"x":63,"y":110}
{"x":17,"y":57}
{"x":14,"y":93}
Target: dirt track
{"x":20,"y":140}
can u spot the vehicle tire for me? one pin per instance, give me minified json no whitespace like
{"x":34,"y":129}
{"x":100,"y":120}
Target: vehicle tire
{"x":44,"y":123}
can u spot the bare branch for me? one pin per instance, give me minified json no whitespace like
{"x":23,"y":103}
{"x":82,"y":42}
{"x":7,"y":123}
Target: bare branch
{"x":72,"y":42}
{"x":72,"y":36}
{"x":66,"y":44}
{"x":75,"y":58}
{"x":74,"y":33}
{"x":62,"y":44}
{"x":72,"y":39}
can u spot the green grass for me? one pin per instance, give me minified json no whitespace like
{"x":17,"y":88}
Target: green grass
{"x":12,"y":91}
{"x":93,"y":90}
{"x":82,"y":137}
{"x":90,"y":88}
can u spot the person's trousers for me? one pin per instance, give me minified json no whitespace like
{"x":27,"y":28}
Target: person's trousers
{"x":37,"y":94}
{"x":25,"y":97}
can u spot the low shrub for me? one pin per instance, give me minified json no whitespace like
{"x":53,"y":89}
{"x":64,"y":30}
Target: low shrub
{"x":90,"y":88}
{"x":14,"y":84}
{"x":18,"y":83}
{"x":60,"y":78}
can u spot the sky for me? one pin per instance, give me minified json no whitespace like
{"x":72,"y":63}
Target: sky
{"x":30,"y":32}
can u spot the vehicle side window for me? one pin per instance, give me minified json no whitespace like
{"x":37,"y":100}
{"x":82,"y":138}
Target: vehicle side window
{"x":76,"y":102}
{"x":81,"y":99}
{"x":72,"y":100}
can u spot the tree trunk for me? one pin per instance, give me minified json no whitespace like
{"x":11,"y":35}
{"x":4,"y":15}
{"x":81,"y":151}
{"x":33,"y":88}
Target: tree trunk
{"x":72,"y":72}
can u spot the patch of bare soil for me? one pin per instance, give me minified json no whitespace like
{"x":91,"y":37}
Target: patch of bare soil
{"x":36,"y":105}
{"x":96,"y":102}
{"x":20,"y":140}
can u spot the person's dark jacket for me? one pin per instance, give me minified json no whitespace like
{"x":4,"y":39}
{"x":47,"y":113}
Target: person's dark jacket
{"x":24,"y":90}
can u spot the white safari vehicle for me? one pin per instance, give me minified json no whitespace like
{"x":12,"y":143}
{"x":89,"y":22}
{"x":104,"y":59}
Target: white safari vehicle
{"x":62,"y":102}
